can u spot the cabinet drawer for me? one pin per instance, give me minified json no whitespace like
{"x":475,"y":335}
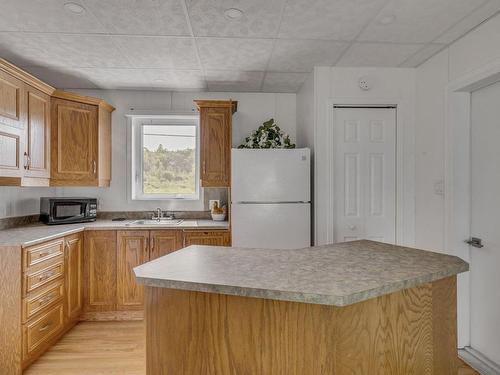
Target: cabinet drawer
{"x":39,"y":253}
{"x":37,"y":332}
{"x":35,"y":279}
{"x":37,"y":301}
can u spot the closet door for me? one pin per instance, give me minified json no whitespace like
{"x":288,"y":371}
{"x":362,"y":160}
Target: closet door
{"x":365,"y":174}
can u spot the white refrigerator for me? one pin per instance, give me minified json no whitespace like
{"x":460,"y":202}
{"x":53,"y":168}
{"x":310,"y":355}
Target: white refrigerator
{"x":271,"y":198}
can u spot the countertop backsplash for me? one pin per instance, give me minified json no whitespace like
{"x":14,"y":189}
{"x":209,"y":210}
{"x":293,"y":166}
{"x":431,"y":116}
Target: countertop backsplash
{"x":209,"y":194}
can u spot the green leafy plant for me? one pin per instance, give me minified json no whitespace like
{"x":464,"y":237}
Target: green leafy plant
{"x":268,"y":135}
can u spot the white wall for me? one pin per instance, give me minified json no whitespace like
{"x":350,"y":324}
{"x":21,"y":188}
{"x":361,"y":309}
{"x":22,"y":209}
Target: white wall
{"x":473,"y":51}
{"x":340,"y":86}
{"x":253,"y":109}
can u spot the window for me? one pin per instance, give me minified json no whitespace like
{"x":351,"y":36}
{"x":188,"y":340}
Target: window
{"x":165,"y":158}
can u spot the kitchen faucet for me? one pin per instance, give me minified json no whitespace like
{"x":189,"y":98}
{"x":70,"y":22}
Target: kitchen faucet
{"x":158,"y":216}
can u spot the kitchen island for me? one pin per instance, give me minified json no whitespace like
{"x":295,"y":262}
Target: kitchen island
{"x":359,"y":307}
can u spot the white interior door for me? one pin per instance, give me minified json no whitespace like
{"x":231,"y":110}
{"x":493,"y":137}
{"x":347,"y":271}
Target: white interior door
{"x":485,"y":223}
{"x":365,"y":174}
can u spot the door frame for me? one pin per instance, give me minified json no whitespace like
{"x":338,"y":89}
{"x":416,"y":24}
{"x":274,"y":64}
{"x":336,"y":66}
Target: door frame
{"x":405,"y":164}
{"x":457,"y":187}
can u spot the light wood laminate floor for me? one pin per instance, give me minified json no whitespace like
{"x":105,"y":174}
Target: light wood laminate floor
{"x":107,"y":348}
{"x":96,"y":348}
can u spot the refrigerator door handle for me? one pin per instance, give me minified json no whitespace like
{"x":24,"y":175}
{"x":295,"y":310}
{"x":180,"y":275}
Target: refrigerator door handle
{"x":261,"y":202}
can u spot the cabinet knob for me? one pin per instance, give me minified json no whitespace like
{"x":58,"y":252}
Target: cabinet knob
{"x":94,"y":165}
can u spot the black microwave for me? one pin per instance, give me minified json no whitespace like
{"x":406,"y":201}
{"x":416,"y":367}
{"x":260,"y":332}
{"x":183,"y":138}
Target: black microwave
{"x":67,"y":210}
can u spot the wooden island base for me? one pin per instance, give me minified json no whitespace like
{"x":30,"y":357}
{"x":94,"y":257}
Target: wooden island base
{"x":408,"y":332}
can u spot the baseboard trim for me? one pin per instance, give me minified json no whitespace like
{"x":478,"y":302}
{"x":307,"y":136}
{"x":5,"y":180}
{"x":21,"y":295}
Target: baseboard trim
{"x":108,"y":316}
{"x":478,"y":361}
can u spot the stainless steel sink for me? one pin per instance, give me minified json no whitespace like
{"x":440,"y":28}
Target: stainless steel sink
{"x":161,"y":222}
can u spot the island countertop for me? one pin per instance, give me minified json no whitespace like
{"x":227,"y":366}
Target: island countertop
{"x":339,"y":274}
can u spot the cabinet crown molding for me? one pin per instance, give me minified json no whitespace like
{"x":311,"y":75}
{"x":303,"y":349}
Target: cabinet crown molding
{"x":61,"y":94}
{"x":27,"y":78}
{"x":217,"y":104}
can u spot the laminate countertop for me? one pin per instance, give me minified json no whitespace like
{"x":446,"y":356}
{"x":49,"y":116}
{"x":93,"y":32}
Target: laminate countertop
{"x":338,"y":274}
{"x":33,"y":234}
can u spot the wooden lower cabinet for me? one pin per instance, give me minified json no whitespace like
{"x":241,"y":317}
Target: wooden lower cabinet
{"x":100,"y":270}
{"x":111,"y":291}
{"x":74,"y":277}
{"x":51,"y":294}
{"x":164,"y":242}
{"x":133,"y":250}
{"x":209,"y":238}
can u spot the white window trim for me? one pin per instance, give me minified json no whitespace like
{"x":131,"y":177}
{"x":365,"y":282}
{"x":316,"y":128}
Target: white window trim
{"x":135,"y":143}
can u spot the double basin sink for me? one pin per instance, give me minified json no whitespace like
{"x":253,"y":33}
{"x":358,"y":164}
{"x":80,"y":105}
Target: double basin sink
{"x":161,"y":222}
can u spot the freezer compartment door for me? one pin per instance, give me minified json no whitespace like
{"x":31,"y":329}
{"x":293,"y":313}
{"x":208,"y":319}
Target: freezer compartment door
{"x":274,"y":175}
{"x":271,"y":226}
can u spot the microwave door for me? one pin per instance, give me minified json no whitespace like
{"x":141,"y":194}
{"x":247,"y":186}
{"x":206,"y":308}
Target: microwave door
{"x":68,"y":210}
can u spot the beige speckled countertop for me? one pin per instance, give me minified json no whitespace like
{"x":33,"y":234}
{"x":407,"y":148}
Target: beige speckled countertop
{"x":339,"y":274}
{"x":37,"y":233}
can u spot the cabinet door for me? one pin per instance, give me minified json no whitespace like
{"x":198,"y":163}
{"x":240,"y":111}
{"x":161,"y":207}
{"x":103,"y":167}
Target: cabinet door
{"x":38,"y":134}
{"x":12,"y":101}
{"x":74,"y":143}
{"x":12,"y":127}
{"x":132,"y":252}
{"x":100,"y":271}
{"x":164,"y":242}
{"x":215,"y":128}
{"x":209,"y":238}
{"x":74,"y":276}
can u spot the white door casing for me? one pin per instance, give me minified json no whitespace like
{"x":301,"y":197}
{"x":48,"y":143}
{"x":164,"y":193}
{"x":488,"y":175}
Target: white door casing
{"x":485,"y":206}
{"x":365,"y":173}
{"x":458,"y":180}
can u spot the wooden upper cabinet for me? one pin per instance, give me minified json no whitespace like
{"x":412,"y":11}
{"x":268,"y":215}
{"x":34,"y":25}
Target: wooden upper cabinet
{"x":133,"y":250}
{"x":12,"y":101}
{"x":37,"y":153}
{"x":164,"y":242}
{"x":51,"y":137}
{"x":215,"y":141}
{"x":12,"y":128}
{"x":74,"y":276}
{"x":81,"y":141}
{"x":24,"y":128}
{"x":100,"y":270}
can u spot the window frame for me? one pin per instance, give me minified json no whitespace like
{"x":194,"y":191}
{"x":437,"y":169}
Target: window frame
{"x":137,"y":156}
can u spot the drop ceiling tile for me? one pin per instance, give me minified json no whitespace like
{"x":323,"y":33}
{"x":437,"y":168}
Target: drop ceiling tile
{"x":304,"y":55}
{"x":66,"y":50}
{"x":110,"y":78}
{"x":283,"y":82}
{"x":259,"y":19}
{"x":144,"y":17}
{"x":327,"y":19}
{"x":468,"y":23}
{"x":417,"y":21}
{"x":234,"y":54}
{"x":159,"y":52}
{"x":177,"y":80}
{"x":422,"y":55}
{"x":45,"y":16}
{"x":234,"y":81}
{"x":61,"y":77}
{"x":378,"y":54}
